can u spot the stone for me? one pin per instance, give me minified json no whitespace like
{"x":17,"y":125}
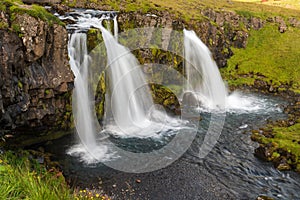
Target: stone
{"x":281,"y":163}
{"x":35,"y":76}
{"x":189,"y":99}
{"x":138,"y":181}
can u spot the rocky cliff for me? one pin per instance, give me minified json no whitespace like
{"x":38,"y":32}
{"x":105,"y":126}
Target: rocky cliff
{"x":220,"y":31}
{"x":35,"y":78}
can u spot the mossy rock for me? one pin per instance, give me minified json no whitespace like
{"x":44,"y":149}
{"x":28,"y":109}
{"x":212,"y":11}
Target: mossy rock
{"x":164,"y":96}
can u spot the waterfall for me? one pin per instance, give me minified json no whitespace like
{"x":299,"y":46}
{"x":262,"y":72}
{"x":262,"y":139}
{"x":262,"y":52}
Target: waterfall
{"x":131,"y":104}
{"x":79,"y":62}
{"x":82,"y":106}
{"x":203,"y":77}
{"x":116,"y":28}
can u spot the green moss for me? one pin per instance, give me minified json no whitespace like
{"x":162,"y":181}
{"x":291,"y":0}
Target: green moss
{"x":3,"y":25}
{"x":34,"y":11}
{"x":20,"y":85}
{"x":47,"y":91}
{"x":100,"y":97}
{"x":283,"y":138}
{"x":288,"y":138}
{"x":270,"y":56}
{"x":17,"y":7}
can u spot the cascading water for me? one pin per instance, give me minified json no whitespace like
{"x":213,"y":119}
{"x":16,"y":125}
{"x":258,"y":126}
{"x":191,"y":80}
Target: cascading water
{"x":130,"y":96}
{"x":133,"y":110}
{"x":79,"y":62}
{"x":205,"y":83}
{"x":230,"y":164}
{"x":203,"y":76}
{"x":83,"y":103}
{"x":129,"y":106}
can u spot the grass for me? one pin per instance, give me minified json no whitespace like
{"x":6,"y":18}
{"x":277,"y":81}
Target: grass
{"x":291,"y":4}
{"x":17,"y":7}
{"x":190,"y":9}
{"x":21,"y":177}
{"x":270,"y":56}
{"x":286,"y":138}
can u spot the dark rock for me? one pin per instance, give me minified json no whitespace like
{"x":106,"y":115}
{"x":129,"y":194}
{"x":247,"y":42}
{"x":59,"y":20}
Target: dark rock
{"x":264,"y":198}
{"x":294,"y":22}
{"x":34,"y":74}
{"x":281,"y":163}
{"x":282,"y":27}
{"x":263,"y":152}
{"x":42,"y":1}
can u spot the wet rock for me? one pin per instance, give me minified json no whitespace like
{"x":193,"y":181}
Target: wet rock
{"x":138,"y":181}
{"x":263,"y":152}
{"x":264,"y":198}
{"x":189,"y":99}
{"x":281,"y":164}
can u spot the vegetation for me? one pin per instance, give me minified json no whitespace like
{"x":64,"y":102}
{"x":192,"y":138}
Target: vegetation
{"x":282,"y":142}
{"x":189,"y":9}
{"x":270,"y":56}
{"x":21,"y":177}
{"x":17,"y":7}
{"x":291,"y":4}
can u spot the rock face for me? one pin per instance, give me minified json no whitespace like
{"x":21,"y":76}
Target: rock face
{"x":218,"y":30}
{"x":35,"y":78}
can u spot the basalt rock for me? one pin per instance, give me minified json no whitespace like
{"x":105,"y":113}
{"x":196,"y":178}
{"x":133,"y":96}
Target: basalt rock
{"x":35,"y":78}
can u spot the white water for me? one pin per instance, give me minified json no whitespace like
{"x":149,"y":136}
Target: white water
{"x":82,"y":101}
{"x":133,"y":112}
{"x":205,"y":82}
{"x":79,"y":62}
{"x":203,"y":76}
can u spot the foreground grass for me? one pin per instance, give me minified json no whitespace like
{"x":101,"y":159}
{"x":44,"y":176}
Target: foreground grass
{"x":21,"y":177}
{"x":270,"y":56}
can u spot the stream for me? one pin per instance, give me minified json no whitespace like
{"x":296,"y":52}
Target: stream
{"x":229,"y":171}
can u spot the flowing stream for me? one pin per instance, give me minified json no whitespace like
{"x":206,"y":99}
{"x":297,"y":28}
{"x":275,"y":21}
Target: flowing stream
{"x":229,"y":171}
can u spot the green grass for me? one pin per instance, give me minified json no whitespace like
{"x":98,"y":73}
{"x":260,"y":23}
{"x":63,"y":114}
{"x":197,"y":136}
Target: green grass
{"x":270,"y":56}
{"x":17,"y":7}
{"x":292,"y":4}
{"x":189,"y":9}
{"x":286,"y":138}
{"x":21,"y":178}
